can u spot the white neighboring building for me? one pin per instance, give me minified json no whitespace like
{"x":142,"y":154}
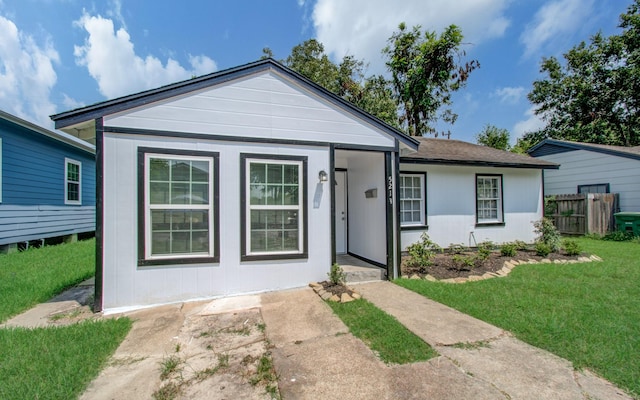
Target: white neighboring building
{"x":592,"y":168}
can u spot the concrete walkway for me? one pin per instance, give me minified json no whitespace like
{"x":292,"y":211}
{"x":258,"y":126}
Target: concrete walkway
{"x":316,"y":357}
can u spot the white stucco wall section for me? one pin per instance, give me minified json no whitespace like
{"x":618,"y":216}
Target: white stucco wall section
{"x":127,"y":285}
{"x":266,"y":105}
{"x":451,"y":205}
{"x":582,"y":167}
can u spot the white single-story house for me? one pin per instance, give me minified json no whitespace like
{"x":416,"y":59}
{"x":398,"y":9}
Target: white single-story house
{"x":254,"y":179}
{"x":592,"y":168}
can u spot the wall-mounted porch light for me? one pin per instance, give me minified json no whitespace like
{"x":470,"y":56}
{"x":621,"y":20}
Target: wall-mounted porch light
{"x":322,"y":176}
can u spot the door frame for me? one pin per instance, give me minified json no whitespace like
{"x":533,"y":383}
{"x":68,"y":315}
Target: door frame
{"x":346,"y":210}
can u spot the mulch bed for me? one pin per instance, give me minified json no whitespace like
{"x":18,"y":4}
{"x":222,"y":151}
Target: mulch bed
{"x":444,"y":266}
{"x":336,"y":289}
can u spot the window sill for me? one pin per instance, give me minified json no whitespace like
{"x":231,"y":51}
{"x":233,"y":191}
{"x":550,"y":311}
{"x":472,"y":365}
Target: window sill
{"x":178,"y":261}
{"x":267,"y":257}
{"x":414,"y":228}
{"x":481,"y":224}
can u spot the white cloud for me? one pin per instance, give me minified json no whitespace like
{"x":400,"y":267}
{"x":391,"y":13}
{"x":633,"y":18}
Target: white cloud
{"x":553,"y":21}
{"x":510,"y":95}
{"x":26,"y":74}
{"x":71,"y":103}
{"x":111,"y":60}
{"x":532,"y":123}
{"x":362,"y":27}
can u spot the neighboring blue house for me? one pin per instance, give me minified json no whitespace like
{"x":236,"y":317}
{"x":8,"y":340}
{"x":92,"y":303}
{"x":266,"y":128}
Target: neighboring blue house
{"x":47,"y":184}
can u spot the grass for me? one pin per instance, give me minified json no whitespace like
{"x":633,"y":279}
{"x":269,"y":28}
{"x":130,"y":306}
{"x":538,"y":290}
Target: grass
{"x":56,"y":363}
{"x":36,"y":275}
{"x":588,"y":313}
{"x":394,"y":343}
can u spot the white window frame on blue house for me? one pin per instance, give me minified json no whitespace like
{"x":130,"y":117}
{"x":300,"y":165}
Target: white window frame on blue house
{"x":67,"y":182}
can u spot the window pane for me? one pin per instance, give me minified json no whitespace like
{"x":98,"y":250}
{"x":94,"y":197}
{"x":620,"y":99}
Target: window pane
{"x":199,"y":193}
{"x":257,"y":173}
{"x":179,"y":231}
{"x":274,"y":195}
{"x":274,"y":173}
{"x":159,"y":193}
{"x":180,"y":170}
{"x":200,"y":242}
{"x":160,"y":242}
{"x":180,"y":193}
{"x":290,"y":174}
{"x":199,"y":171}
{"x":159,"y":169}
{"x":290,"y":195}
{"x":257,"y":194}
{"x":73,"y":191}
{"x":258,"y":241}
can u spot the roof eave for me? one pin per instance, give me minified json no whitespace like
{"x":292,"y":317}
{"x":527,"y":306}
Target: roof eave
{"x":475,"y":163}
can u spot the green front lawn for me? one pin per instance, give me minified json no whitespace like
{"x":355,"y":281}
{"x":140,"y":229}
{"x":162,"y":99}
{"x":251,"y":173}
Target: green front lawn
{"x":36,"y":275}
{"x":51,"y":363}
{"x":587,"y":313}
{"x":382,"y":333}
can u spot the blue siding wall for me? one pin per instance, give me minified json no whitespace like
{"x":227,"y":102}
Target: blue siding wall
{"x":33,"y":168}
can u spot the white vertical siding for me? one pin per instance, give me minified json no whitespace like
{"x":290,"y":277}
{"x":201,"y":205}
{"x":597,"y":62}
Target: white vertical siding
{"x":582,"y":167}
{"x":451,"y":205}
{"x":265,"y":105}
{"x":126,"y":284}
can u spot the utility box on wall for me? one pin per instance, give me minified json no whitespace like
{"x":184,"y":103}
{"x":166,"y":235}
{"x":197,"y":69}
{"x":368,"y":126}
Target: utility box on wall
{"x":371,"y":193}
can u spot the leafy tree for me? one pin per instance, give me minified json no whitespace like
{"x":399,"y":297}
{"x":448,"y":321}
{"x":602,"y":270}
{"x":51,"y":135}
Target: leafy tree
{"x":426,"y":70}
{"x":492,"y":136}
{"x":345,"y":79}
{"x":594,"y":95}
{"x":522,"y":145}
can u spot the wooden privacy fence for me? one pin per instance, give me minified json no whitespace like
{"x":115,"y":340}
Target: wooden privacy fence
{"x":578,"y":214}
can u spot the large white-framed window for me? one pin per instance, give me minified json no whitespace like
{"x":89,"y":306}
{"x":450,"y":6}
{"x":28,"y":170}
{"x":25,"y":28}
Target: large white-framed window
{"x":72,"y":182}
{"x":179,"y":206}
{"x":412,"y":199}
{"x":274,"y":207}
{"x":489,"y":199}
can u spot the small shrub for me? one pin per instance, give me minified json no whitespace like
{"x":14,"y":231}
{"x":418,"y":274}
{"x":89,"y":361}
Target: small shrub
{"x":547,"y":234}
{"x":484,"y":249}
{"x":521,"y":245}
{"x":542,"y":249}
{"x":618,"y":236}
{"x":421,"y":253}
{"x":508,"y":249}
{"x":593,"y":235}
{"x":463,"y":263}
{"x":336,"y":275}
{"x":455,"y":248}
{"x":571,"y":247}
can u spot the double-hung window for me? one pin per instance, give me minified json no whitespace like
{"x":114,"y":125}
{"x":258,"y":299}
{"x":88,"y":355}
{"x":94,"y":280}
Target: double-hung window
{"x":489,"y":199}
{"x":412,"y":199}
{"x":274,"y":207}
{"x":72,"y":182}
{"x":179,"y":207}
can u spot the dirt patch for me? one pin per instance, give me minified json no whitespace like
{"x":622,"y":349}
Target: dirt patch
{"x":446,"y":265}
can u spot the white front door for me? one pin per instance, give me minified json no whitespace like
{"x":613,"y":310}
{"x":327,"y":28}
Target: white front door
{"x":341,"y":211}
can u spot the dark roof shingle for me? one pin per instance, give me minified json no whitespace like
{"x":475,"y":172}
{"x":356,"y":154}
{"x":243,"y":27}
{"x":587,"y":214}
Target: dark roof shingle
{"x":447,"y":151}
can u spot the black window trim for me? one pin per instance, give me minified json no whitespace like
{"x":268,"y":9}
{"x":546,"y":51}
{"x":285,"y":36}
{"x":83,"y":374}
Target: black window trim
{"x":606,"y":185}
{"x":424,"y":194}
{"x":215,"y":229}
{"x":501,"y":222}
{"x":243,"y":208}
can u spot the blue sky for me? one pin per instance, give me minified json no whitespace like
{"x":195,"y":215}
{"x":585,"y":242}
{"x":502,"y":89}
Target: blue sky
{"x":56,"y":55}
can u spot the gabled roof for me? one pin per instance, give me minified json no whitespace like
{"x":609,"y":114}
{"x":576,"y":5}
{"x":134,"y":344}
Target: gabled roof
{"x":456,"y":152}
{"x":99,"y":110}
{"x":555,"y":146}
{"x":56,"y":135}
